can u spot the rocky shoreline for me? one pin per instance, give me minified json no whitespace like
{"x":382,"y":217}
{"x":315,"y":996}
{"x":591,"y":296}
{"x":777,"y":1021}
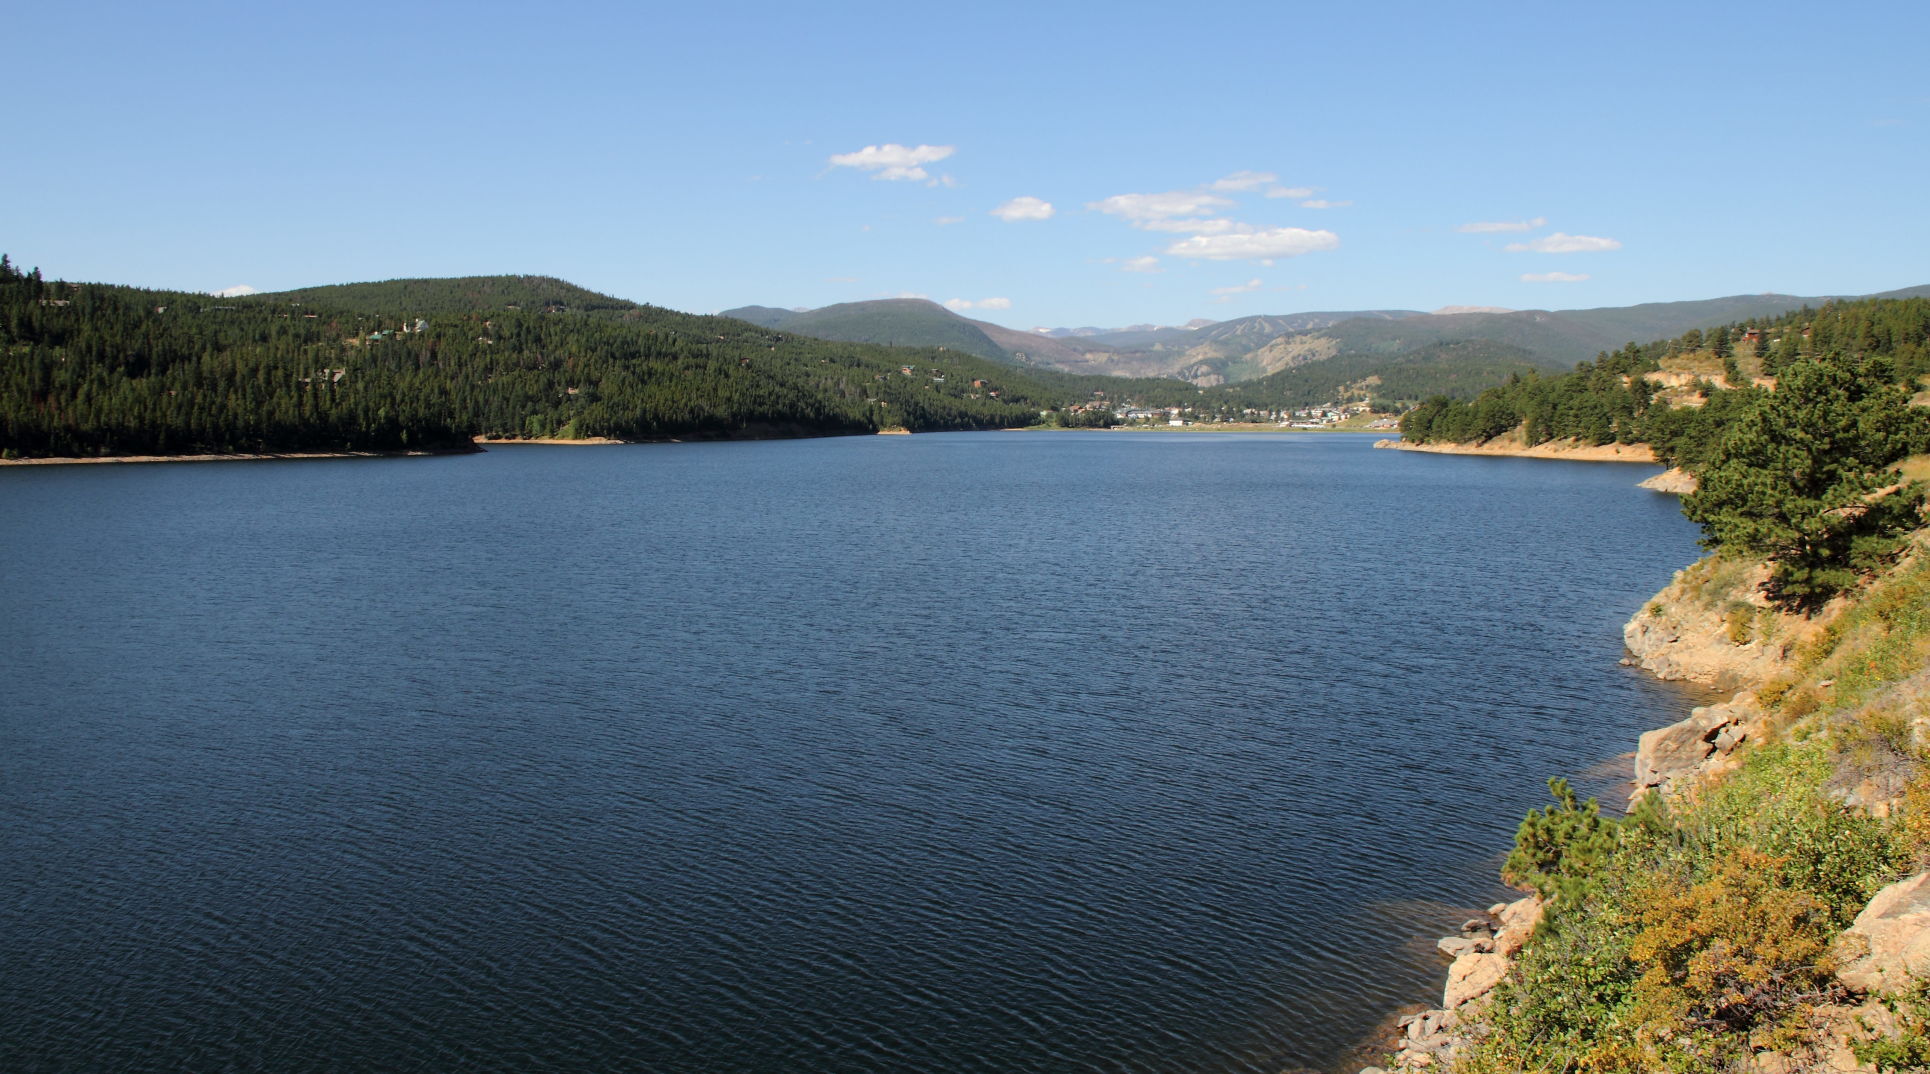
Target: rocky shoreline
{"x":1710,"y":626}
{"x":1482,"y":951}
{"x":1676,"y":636}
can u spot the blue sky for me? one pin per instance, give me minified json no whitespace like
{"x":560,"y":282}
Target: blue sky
{"x":1048,"y":164}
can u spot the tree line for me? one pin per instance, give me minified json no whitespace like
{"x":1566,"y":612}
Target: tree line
{"x":1611,"y":399}
{"x":95,"y":369}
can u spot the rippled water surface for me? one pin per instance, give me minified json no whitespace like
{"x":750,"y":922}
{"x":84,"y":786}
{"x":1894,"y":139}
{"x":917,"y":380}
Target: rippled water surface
{"x":961,"y":753}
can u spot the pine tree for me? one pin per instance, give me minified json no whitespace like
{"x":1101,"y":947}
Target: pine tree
{"x":1559,"y":849}
{"x":1807,"y":479}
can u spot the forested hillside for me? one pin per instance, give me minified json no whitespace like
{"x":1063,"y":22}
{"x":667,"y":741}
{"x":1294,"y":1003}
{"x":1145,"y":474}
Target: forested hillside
{"x":1459,"y":368}
{"x":1745,"y":914}
{"x":1627,"y":397}
{"x":911,"y":322}
{"x":94,"y":369}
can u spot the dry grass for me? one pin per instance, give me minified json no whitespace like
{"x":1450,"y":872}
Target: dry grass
{"x":1916,"y":467}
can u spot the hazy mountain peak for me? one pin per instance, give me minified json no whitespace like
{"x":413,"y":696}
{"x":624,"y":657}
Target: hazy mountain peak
{"x":1445,"y":310}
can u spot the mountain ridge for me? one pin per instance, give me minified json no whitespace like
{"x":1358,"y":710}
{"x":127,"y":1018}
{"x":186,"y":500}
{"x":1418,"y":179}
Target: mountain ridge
{"x":1247,"y":348}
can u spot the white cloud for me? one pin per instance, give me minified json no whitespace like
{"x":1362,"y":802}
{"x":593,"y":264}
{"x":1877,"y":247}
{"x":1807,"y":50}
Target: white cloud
{"x":1140,"y":264}
{"x":1322,"y":203}
{"x":1025,"y":208}
{"x":1290,"y":192}
{"x":1244,"y":180}
{"x":912,"y":294}
{"x":234,"y":292}
{"x":962,"y":304}
{"x":1137,"y":209}
{"x":1559,"y":243}
{"x":1216,"y":226}
{"x":1238,"y":288}
{"x":946,"y":221}
{"x":1482,"y":227}
{"x":1255,"y":245}
{"x":894,"y":161}
{"x":1553,"y":277}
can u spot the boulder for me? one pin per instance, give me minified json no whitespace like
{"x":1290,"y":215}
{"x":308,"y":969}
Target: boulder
{"x":1667,"y":755}
{"x":1456,"y":946}
{"x":1889,"y":943}
{"x":1517,"y":919}
{"x":1472,"y":976}
{"x":1676,"y":481}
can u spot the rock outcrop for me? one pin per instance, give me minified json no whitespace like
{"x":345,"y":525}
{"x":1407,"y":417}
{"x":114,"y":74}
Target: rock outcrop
{"x":1483,"y":952}
{"x":1888,"y":946}
{"x":1704,"y":744}
{"x":1712,"y":625}
{"x":1674,"y":481}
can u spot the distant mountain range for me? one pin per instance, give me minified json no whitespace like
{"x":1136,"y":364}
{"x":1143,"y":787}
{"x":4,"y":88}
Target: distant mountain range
{"x":1061,"y":333}
{"x":1209,"y":353}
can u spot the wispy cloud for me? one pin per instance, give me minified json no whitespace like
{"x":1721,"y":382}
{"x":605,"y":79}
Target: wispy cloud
{"x":1483,"y":227}
{"x":1322,"y":203}
{"x":1254,"y":245}
{"x":1244,"y":180}
{"x":947,"y":221}
{"x":1025,"y":208}
{"x":1138,"y":209}
{"x":962,"y":304}
{"x":1553,"y":277}
{"x":1148,"y":263}
{"x":1560,"y":243}
{"x":1238,"y":288}
{"x":1290,"y":192}
{"x":894,"y":161}
{"x":1215,"y":226}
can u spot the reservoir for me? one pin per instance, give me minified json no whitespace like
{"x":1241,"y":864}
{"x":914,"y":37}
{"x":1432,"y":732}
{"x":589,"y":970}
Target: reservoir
{"x":983,"y":752}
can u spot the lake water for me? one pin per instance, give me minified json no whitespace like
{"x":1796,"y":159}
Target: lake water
{"x":961,"y":753}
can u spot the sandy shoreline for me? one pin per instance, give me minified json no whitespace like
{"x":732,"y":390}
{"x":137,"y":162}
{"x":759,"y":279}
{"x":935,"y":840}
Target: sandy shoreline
{"x":91,"y":459}
{"x":1553,"y":449}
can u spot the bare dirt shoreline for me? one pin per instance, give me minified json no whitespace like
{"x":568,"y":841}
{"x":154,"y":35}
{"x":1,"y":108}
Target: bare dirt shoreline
{"x":1553,"y":449}
{"x":491,"y":442}
{"x":226,"y":458}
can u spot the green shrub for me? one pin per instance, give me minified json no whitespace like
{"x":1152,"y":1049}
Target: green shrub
{"x":1559,"y":850}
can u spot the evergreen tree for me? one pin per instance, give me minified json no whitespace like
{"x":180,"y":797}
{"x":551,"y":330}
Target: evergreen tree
{"x":1807,"y":479}
{"x":1559,"y":850}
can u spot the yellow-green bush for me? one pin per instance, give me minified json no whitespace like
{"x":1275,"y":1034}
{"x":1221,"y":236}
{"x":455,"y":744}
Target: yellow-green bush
{"x":1703,"y":935}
